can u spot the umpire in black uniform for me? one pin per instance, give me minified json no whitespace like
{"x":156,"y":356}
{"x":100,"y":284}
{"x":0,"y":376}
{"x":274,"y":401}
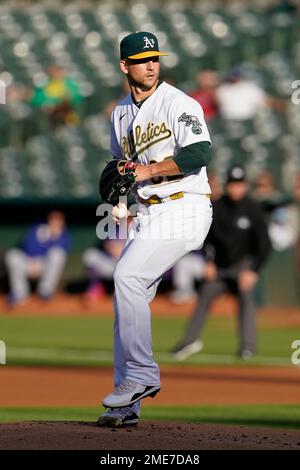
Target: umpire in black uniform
{"x":236,"y":248}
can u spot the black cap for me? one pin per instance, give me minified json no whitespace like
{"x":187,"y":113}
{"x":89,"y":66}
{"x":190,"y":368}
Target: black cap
{"x":139,"y":46}
{"x":236,"y":174}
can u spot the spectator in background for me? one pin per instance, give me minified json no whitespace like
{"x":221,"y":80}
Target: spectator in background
{"x":215,"y":185}
{"x":266,"y":192}
{"x":59,"y":97}
{"x":283,"y":227}
{"x":41,"y":256}
{"x":207,"y":82}
{"x":240,"y":99}
{"x":279,"y":211}
{"x":236,"y":248}
{"x":100,"y":265}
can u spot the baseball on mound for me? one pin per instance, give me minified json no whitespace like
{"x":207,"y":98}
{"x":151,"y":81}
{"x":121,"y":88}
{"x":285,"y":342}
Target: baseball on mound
{"x":119,"y":211}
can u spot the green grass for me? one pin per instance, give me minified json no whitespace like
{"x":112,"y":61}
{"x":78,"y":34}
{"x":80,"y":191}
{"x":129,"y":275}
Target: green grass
{"x":89,"y":341}
{"x":86,"y":340}
{"x":281,"y":416}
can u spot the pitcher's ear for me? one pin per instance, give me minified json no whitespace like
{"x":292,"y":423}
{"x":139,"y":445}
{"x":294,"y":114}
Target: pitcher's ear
{"x":123,"y":66}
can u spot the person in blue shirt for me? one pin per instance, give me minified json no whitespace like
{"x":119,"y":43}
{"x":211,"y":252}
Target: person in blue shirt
{"x":41,"y":255}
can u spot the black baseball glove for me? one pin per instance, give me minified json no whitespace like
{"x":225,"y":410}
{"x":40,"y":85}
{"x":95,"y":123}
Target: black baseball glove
{"x":117,"y":179}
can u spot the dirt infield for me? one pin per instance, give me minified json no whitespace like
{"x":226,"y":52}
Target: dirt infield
{"x":58,"y":387}
{"x":147,"y":435}
{"x":74,"y":306}
{"x":188,"y":385}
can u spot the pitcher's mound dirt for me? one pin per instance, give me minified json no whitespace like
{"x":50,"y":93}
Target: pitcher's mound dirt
{"x":148,"y":435}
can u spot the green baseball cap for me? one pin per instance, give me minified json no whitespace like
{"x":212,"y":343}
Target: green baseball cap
{"x":139,"y":45}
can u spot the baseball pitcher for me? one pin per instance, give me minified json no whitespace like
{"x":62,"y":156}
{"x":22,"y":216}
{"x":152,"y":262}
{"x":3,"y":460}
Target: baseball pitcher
{"x":160,"y":147}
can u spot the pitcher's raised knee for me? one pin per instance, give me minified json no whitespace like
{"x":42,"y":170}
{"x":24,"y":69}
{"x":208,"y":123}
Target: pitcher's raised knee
{"x":124,"y":276}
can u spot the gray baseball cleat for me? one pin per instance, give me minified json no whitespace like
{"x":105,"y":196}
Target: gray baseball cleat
{"x":246,"y":354}
{"x":129,"y":392}
{"x":183,"y":351}
{"x":117,"y":417}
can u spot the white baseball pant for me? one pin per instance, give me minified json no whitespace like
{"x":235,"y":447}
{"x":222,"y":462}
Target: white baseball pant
{"x":160,"y":236}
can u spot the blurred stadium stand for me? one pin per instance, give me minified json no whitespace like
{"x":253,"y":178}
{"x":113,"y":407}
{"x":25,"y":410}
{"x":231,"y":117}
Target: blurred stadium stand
{"x":83,"y":37}
{"x":41,"y":168}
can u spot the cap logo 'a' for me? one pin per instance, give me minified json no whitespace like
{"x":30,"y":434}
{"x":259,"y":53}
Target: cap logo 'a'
{"x":148,"y":42}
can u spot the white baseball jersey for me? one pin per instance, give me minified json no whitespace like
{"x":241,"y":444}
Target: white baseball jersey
{"x":167,"y":121}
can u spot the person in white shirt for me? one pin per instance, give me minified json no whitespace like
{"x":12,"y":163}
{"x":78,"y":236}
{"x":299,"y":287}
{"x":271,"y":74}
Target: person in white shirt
{"x":240,"y":99}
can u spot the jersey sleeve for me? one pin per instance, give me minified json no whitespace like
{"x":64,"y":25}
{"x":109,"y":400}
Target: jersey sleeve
{"x":188,"y":122}
{"x":115,"y":148}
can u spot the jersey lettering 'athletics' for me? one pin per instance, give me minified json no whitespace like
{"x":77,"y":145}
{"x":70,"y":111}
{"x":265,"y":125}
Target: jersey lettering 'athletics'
{"x":138,"y":141}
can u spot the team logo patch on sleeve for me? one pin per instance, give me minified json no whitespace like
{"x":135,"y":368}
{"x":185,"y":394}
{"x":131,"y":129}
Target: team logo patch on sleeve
{"x":191,"y":121}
